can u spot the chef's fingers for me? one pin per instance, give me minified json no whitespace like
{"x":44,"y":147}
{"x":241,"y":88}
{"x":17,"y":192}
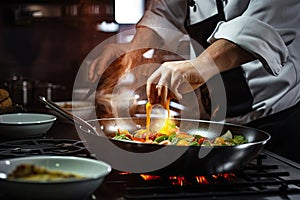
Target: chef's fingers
{"x":162,"y":95}
{"x":111,"y":52}
{"x":163,"y":86}
{"x":159,"y":89}
{"x":170,"y":81}
{"x":151,"y":89}
{"x":92,"y":69}
{"x":166,"y":87}
{"x":152,"y":93}
{"x":99,"y":66}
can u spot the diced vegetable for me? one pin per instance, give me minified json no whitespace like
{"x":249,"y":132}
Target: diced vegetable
{"x":161,"y":138}
{"x":239,"y":139}
{"x":183,"y":143}
{"x":227,"y":135}
{"x":175,"y":137}
{"x":121,"y":137}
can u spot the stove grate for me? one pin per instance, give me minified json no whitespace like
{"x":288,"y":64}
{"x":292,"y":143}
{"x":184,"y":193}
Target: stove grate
{"x":33,"y":147}
{"x":256,"y":179}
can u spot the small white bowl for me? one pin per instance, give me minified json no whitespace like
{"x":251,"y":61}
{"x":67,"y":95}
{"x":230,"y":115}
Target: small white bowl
{"x":92,"y":170}
{"x":25,"y":125}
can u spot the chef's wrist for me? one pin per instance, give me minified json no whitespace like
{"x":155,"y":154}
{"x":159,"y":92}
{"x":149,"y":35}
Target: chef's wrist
{"x":205,"y":66}
{"x":146,"y":38}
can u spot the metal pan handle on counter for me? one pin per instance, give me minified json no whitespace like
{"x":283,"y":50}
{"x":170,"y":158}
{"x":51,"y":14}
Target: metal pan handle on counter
{"x":83,"y":125}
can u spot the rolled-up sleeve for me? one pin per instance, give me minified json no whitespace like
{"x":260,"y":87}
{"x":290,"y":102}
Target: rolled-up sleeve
{"x":166,"y":18}
{"x":265,"y":29}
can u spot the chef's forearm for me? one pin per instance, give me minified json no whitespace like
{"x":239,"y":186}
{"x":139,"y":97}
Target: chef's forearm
{"x":146,"y":38}
{"x":228,"y":55}
{"x":221,"y":56}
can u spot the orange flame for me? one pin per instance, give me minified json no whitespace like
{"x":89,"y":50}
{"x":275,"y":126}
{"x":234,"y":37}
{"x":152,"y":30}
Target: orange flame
{"x":181,"y":180}
{"x":124,"y":173}
{"x":149,"y":177}
{"x":178,"y":180}
{"x":201,"y":179}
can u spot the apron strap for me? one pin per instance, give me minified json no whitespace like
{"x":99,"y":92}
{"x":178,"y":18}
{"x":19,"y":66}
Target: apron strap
{"x":238,"y":95}
{"x":202,"y":30}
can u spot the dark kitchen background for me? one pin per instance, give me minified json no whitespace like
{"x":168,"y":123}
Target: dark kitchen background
{"x":46,"y":41}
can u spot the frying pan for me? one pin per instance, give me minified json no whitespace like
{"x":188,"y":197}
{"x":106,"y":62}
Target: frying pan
{"x":170,"y":159}
{"x":166,"y":159}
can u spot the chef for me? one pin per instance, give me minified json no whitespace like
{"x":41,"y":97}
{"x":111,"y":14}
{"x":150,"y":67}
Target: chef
{"x":253,"y":45}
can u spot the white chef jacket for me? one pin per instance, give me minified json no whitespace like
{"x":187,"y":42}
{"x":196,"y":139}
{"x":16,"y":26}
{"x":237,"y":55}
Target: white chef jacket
{"x":269,"y":29}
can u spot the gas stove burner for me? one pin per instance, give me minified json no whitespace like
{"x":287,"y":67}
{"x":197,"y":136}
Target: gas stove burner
{"x":33,"y":147}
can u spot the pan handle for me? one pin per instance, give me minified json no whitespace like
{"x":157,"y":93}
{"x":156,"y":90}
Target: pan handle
{"x":83,"y":125}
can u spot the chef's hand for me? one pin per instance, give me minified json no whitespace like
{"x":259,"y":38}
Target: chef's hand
{"x":131,"y":52}
{"x":172,"y":79}
{"x":112,"y":53}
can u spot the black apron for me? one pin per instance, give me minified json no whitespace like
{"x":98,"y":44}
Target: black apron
{"x":238,"y":95}
{"x":284,"y":129}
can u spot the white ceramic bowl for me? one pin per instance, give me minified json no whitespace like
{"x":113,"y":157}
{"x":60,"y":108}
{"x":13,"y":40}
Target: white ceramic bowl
{"x":93,"y":171}
{"x":82,"y":109}
{"x":25,"y":125}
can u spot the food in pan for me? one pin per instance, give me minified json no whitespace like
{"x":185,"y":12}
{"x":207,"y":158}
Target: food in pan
{"x":176,"y":137}
{"x":30,"y":172}
{"x":170,"y":134}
